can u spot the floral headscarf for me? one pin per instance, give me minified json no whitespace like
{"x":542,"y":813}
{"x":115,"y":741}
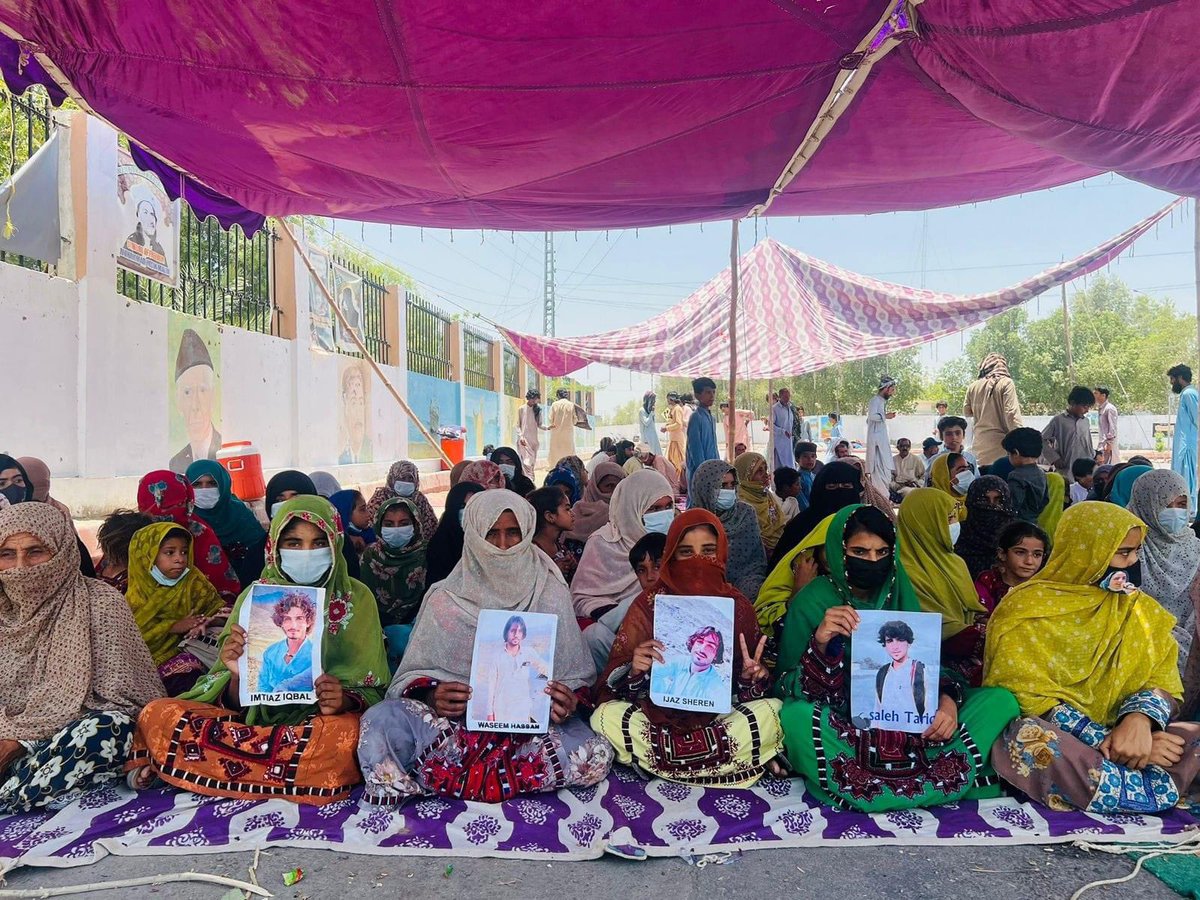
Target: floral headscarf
{"x":405,"y":470}
{"x":484,"y":472}
{"x":397,"y":577}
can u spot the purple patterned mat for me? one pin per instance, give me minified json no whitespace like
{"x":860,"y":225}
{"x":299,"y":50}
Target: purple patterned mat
{"x":663,"y":818}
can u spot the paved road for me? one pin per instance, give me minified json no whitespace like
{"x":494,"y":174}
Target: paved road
{"x":859,"y":873}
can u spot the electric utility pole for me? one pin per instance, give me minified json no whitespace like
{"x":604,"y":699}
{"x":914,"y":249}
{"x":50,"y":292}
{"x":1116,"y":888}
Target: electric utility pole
{"x":549,"y":303}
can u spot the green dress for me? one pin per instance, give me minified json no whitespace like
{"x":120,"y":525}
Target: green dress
{"x":873,"y":770}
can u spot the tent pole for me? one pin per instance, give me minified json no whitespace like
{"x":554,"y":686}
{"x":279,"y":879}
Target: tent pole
{"x":1067,"y":335}
{"x":1196,"y":257}
{"x":733,"y":305}
{"x":362,"y":348}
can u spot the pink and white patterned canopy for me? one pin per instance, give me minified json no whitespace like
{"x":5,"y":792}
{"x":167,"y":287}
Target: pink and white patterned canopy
{"x":798,"y":314}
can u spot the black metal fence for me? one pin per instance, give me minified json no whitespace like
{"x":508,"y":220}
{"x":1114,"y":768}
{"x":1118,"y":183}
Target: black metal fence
{"x":478,"y":350}
{"x":223,"y":276}
{"x":25,"y":125}
{"x":373,"y":326}
{"x":428,"y":338}
{"x":512,"y":372}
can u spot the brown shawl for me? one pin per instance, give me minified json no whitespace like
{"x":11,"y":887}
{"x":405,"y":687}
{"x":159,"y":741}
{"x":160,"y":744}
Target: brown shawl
{"x":591,"y":512}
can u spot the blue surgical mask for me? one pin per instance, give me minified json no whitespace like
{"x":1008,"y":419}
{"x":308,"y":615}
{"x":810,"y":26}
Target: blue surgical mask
{"x":659,"y":520}
{"x":955,"y":529}
{"x":963,"y":481}
{"x":726,"y":497}
{"x":306,"y":566}
{"x":207,"y":498}
{"x":1173,"y":521}
{"x":509,"y":470}
{"x":398,"y":536}
{"x":404,"y":488}
{"x":162,"y":579}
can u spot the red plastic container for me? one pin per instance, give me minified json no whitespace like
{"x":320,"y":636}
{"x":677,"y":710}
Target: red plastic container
{"x":243,"y":462}
{"x":455,"y":448}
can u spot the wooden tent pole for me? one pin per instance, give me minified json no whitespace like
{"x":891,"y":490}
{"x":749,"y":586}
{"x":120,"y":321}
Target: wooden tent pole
{"x":358,"y":342}
{"x":733,"y":355}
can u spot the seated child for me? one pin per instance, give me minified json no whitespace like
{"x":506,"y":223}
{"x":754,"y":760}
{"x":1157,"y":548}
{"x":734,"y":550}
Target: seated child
{"x":1082,"y":470}
{"x":644,"y":557}
{"x":114,"y":537}
{"x":787,"y":489}
{"x":1027,"y":481}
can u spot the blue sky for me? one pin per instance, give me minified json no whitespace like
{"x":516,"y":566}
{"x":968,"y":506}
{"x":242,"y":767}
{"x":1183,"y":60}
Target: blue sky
{"x":609,"y":280}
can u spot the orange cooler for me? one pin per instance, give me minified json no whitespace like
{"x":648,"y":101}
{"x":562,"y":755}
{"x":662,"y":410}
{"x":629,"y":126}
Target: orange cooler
{"x":455,"y":448}
{"x":243,"y":462}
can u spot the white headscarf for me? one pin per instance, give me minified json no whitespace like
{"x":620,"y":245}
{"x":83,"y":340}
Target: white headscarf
{"x":521,"y":579}
{"x":604,"y":577}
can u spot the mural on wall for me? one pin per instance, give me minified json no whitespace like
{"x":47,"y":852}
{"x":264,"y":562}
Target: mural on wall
{"x":346,"y":288}
{"x":194,"y":356}
{"x":482,"y":420}
{"x":436,"y":404}
{"x":150,"y":221}
{"x":320,"y":319}
{"x":354,"y":423}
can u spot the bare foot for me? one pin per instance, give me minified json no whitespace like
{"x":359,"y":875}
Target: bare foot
{"x":777,"y":768}
{"x":141,"y":778}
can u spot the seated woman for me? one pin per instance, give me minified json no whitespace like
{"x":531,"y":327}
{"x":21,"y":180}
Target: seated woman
{"x":1123,"y":482}
{"x":951,"y":474}
{"x":798,"y":568}
{"x":484,"y":473}
{"x":207,"y":743}
{"x":564,"y":478}
{"x":404,"y":480}
{"x":74,"y":671}
{"x":17,"y":485}
{"x":394,"y":566}
{"x":714,"y":487}
{"x":927,"y":527}
{"x":873,"y":770}
{"x":289,"y":484}
{"x":990,"y":510}
{"x":836,"y":486}
{"x":1021,"y":551}
{"x":114,"y":537}
{"x":445,"y":548}
{"x":753,"y":479}
{"x":554,"y":520}
{"x":733,"y":749}
{"x":325,"y":483}
{"x":171,"y":600}
{"x":1094,"y":667}
{"x":167,"y":496}
{"x":415,"y":742}
{"x":515,"y":478}
{"x":352,"y":507}
{"x":242,"y":538}
{"x":591,"y":513}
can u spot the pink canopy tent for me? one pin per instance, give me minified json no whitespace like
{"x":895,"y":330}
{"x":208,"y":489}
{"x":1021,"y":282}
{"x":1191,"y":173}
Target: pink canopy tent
{"x":586,"y":115}
{"x":798,"y":314}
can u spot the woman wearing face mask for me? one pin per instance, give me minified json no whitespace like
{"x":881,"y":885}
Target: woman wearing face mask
{"x":873,"y":770}
{"x":205,"y":742}
{"x":394,"y":566}
{"x":1170,"y":563}
{"x":242,"y":538}
{"x":836,"y":486}
{"x":445,"y":548}
{"x":753,"y":479}
{"x":404,"y":480}
{"x":485,"y":473}
{"x":714,"y":487}
{"x":1021,"y":550}
{"x":928,"y":529}
{"x":17,"y":485}
{"x":794,"y":572}
{"x":167,"y":496}
{"x":289,"y":484}
{"x":742,"y":744}
{"x":591,"y":513}
{"x":952,"y":476}
{"x":641,"y":502}
{"x":515,"y":478}
{"x":1093,"y":664}
{"x":989,"y":502}
{"x":171,"y":600}
{"x":416,"y":743}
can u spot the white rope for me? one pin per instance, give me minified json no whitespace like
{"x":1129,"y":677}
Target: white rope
{"x":1188,"y":847}
{"x":137,"y":882}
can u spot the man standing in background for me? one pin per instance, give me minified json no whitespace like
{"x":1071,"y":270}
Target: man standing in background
{"x":1068,"y":437}
{"x":1108,"y":427}
{"x":529,"y":428}
{"x":702,"y":428}
{"x":992,"y":402}
{"x":879,"y":447}
{"x":676,"y":432}
{"x":562,"y":427}
{"x":783,"y":425}
{"x":1183,"y":448}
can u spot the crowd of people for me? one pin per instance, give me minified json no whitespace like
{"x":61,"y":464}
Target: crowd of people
{"x":1069,"y":666}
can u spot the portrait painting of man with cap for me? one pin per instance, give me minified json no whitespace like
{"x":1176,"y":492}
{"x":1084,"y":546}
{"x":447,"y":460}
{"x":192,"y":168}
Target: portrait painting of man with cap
{"x":196,"y":386}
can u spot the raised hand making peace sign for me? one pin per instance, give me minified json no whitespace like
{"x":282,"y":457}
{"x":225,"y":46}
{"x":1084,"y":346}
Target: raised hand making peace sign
{"x":752,"y":667}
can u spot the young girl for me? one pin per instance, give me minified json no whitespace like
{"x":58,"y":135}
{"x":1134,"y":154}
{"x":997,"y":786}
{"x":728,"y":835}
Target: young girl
{"x":1021,"y":551}
{"x":114,"y":537}
{"x":352,"y":507}
{"x":171,"y":600}
{"x":554,"y":520}
{"x":394,"y":566}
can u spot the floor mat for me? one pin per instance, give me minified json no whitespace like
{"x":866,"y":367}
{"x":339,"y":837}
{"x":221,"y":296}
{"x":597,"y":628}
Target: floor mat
{"x":659,"y":817}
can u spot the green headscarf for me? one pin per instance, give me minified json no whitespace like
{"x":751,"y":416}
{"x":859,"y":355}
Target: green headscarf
{"x":808,"y":608}
{"x":352,"y":650}
{"x":230,"y":519}
{"x":1056,"y":491}
{"x":397,"y":577}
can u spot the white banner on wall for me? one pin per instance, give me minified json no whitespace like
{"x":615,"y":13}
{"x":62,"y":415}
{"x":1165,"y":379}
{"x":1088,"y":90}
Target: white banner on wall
{"x":346,"y":288}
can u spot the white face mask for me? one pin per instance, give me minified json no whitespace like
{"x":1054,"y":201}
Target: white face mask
{"x":508,"y":469}
{"x":162,"y":579}
{"x":955,"y":529}
{"x":726,"y":497}
{"x":660,"y":520}
{"x":1173,"y":521}
{"x":404,"y":488}
{"x":275,"y":507}
{"x":306,"y":566}
{"x":207,"y":498}
{"x":963,"y":481}
{"x":398,"y":536}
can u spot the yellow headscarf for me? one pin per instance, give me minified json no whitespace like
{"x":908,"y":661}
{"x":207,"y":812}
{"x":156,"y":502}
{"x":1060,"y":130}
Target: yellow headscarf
{"x":941,"y":480}
{"x":941,"y":579}
{"x":1060,"y":638}
{"x":1052,"y":512}
{"x":779,"y":588}
{"x":767,"y":507}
